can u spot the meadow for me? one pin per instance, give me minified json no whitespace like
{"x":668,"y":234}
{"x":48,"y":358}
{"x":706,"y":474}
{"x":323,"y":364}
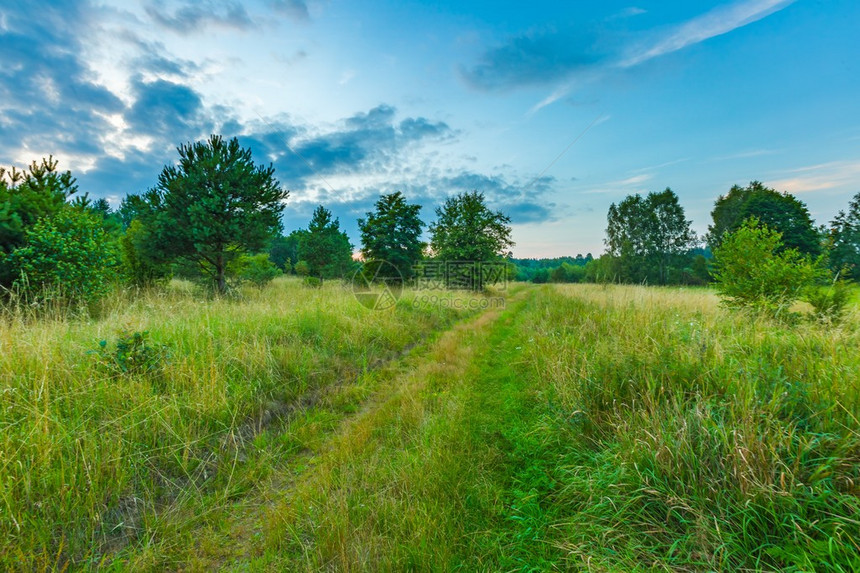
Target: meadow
{"x":606,"y":428}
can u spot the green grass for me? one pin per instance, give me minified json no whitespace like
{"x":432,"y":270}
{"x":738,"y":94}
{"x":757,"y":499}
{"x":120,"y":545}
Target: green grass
{"x":95,"y":462}
{"x":602,"y":428}
{"x":581,"y":427}
{"x":688,"y":438}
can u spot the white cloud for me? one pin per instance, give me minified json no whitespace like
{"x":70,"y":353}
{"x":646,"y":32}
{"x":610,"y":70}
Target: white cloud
{"x":746,"y":154}
{"x":346,"y":77}
{"x":719,"y":21}
{"x":632,"y":11}
{"x":822,"y":177}
{"x":635,"y":180}
{"x":550,"y":99}
{"x":632,"y":184}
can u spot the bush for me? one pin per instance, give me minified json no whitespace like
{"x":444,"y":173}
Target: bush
{"x":829,"y":303}
{"x":67,"y":256}
{"x":751,"y":271}
{"x":257,"y":269}
{"x":132,"y":354}
{"x":302,"y":269}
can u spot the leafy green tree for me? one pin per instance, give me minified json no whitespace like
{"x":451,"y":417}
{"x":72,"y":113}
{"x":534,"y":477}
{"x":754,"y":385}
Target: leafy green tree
{"x":844,"y":238}
{"x":137,"y":266}
{"x":68,"y":255}
{"x":302,"y":269}
{"x":567,"y":273}
{"x":752,"y":269}
{"x":25,"y":198}
{"x":467,"y":230}
{"x":671,"y":233}
{"x":699,"y":269}
{"x":284,"y":251}
{"x":601,"y":270}
{"x":648,"y":237}
{"x":392,"y":233}
{"x":779,"y":211}
{"x":541,"y":276}
{"x":133,"y":207}
{"x":257,"y":269}
{"x":325,"y":248}
{"x":213,"y":206}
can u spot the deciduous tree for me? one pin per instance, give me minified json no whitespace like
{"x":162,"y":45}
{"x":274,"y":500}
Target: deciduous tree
{"x":781,"y":212}
{"x":752,"y":269}
{"x":648,"y":238}
{"x":467,"y":230}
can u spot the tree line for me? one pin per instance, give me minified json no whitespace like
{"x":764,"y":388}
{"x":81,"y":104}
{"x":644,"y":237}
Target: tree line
{"x":214,"y":216}
{"x":649,"y":240}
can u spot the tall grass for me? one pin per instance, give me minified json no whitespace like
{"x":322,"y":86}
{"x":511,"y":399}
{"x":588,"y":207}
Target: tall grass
{"x":690,"y":438}
{"x":94,"y":457}
{"x":582,"y":427}
{"x":597,"y":428}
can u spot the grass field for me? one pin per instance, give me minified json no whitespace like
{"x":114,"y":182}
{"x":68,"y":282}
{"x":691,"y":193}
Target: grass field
{"x":579,"y":427}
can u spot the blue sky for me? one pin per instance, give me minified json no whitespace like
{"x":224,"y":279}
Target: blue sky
{"x":554,"y":110}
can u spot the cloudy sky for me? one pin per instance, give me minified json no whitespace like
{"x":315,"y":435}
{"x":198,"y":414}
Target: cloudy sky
{"x":554,"y":110}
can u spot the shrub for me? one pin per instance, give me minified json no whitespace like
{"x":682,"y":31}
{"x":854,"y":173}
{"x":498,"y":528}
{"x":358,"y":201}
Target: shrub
{"x":302,"y":269}
{"x":67,"y":256}
{"x":259,"y":270}
{"x":829,"y":303}
{"x":751,"y":271}
{"x":132,"y":354}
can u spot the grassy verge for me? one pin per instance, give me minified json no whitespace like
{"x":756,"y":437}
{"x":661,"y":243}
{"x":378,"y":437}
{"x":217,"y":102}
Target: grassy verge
{"x":106,"y":450}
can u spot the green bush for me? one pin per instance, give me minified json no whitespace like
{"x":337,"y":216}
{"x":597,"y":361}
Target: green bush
{"x":68,"y":256}
{"x":302,"y":269}
{"x":750,"y":270}
{"x":259,"y":270}
{"x":829,"y":303}
{"x":132,"y":354}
